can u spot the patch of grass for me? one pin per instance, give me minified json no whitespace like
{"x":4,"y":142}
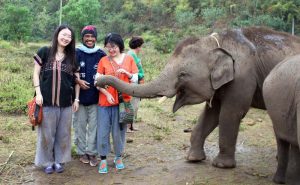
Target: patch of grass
{"x":5,"y":45}
{"x":18,"y":139}
{"x":157,"y":136}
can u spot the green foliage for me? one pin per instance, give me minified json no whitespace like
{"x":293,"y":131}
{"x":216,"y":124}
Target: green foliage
{"x":184,"y":14}
{"x":117,"y":24}
{"x":5,"y":45}
{"x":16,"y":22}
{"x":261,"y":20}
{"x":16,"y":65}
{"x":79,"y":13}
{"x":41,"y":25}
{"x":136,"y":17}
{"x":165,"y":41}
{"x":211,"y":15}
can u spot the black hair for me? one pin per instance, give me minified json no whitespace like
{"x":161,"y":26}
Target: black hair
{"x":136,"y":42}
{"x":114,"y":38}
{"x":69,"y":49}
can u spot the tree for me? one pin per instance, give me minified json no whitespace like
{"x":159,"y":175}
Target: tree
{"x":78,"y":13}
{"x":288,"y":10}
{"x":16,"y":22}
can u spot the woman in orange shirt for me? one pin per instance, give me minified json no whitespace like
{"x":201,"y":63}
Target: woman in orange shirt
{"x":121,"y":65}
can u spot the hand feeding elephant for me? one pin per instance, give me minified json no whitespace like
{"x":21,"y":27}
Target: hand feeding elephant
{"x":226,"y":70}
{"x":281,"y":92}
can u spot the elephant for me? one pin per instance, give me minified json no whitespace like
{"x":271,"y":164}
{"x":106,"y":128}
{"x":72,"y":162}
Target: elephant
{"x":281,"y":92}
{"x":226,"y":70}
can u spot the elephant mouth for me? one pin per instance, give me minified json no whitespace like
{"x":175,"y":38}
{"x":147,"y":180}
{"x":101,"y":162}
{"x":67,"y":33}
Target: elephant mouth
{"x":179,"y":100}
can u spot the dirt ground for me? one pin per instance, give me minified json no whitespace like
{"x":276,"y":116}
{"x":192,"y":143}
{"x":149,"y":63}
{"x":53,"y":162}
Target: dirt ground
{"x":157,"y":153}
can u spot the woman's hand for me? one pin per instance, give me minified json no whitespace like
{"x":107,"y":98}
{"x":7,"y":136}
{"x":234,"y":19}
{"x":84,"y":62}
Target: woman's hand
{"x":123,"y":71}
{"x":110,"y":98}
{"x":75,"y":106}
{"x":83,"y":84}
{"x":39,"y":99}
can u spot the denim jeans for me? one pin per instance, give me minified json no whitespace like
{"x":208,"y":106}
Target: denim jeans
{"x":108,"y":122}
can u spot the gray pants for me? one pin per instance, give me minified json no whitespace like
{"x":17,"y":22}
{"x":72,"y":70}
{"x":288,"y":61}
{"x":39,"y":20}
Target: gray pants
{"x":85,"y":127}
{"x":54,"y":136}
{"x":108,"y":122}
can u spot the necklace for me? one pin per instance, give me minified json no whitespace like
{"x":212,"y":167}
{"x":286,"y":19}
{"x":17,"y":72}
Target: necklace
{"x":59,"y":56}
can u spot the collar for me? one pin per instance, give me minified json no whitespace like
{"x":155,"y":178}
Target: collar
{"x":88,"y":50}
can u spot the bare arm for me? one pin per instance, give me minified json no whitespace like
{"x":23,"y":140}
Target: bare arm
{"x":82,"y":83}
{"x":36,"y":84}
{"x":109,"y":97}
{"x":77,"y":91}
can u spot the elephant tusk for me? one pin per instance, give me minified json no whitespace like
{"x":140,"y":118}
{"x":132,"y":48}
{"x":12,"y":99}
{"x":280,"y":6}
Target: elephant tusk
{"x":210,"y":101}
{"x":162,"y":99}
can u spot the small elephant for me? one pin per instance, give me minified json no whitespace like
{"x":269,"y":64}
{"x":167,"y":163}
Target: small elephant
{"x":281,"y":92}
{"x":227,"y":70}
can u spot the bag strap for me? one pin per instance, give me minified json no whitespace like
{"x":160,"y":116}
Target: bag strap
{"x":115,"y":65}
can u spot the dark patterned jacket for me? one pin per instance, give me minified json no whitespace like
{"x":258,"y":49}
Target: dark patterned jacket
{"x":88,"y":63}
{"x":57,"y":80}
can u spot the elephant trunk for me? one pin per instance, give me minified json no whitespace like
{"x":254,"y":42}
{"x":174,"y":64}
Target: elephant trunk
{"x":164,"y":85}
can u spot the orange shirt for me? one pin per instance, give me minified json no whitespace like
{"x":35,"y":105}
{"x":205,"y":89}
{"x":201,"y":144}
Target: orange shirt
{"x":107,"y":67}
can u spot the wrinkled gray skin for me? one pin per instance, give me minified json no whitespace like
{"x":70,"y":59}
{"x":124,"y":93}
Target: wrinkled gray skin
{"x":230,"y":77}
{"x":281,"y":92}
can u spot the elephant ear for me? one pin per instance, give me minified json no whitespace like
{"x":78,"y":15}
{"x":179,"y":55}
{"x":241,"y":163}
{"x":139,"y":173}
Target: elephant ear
{"x":222,"y":69}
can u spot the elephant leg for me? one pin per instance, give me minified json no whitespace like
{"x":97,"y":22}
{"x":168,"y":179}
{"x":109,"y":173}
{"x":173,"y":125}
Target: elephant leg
{"x":234,"y":108}
{"x":293,"y":169}
{"x":227,"y":143}
{"x":207,"y":122}
{"x":282,"y":159}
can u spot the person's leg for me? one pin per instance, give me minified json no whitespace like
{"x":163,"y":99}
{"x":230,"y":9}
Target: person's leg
{"x":118,"y":135}
{"x":45,"y":140}
{"x":81,"y":129}
{"x":135,"y":101}
{"x":103,"y":131}
{"x":123,"y":137}
{"x":62,"y":144}
{"x":92,"y":134}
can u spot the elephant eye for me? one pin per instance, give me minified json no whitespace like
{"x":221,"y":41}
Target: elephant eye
{"x":182,"y":74}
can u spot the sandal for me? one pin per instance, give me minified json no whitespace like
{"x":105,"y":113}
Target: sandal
{"x":49,"y":169}
{"x":58,"y":168}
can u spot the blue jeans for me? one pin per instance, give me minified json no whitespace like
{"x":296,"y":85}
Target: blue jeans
{"x":108,"y":122}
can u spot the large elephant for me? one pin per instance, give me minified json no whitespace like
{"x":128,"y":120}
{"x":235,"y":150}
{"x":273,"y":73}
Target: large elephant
{"x":226,"y":70}
{"x":281,"y":92}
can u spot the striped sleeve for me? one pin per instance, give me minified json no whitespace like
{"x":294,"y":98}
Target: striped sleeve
{"x":41,"y":56}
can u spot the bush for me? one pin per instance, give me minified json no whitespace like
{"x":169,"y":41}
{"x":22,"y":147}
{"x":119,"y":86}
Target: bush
{"x":211,"y":15}
{"x":16,"y":66}
{"x":185,"y":18}
{"x":165,"y":41}
{"x":260,"y":20}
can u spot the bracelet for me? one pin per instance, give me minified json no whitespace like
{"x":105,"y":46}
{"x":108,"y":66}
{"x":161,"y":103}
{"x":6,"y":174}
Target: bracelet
{"x":36,"y":86}
{"x":76,"y":99}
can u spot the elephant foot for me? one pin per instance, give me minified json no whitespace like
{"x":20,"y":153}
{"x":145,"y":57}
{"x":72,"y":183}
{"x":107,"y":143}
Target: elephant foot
{"x":279,"y":179}
{"x":224,"y":162}
{"x":195,"y":155}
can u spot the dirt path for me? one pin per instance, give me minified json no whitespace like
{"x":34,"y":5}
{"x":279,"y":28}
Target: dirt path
{"x":157,"y":154}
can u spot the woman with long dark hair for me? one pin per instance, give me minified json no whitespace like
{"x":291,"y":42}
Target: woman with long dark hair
{"x":54,"y":83}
